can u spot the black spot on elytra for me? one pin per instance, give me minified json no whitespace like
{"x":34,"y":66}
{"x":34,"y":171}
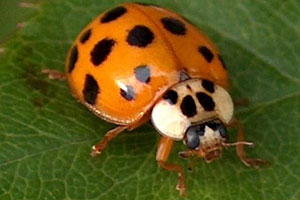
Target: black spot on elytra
{"x":173,"y":25}
{"x":208,"y":85}
{"x":206,"y":53}
{"x":142,"y":73}
{"x":188,"y":106}
{"x":73,"y":58}
{"x":222,"y":61}
{"x":113,"y":14}
{"x":91,"y":89}
{"x":171,"y":96}
{"x":140,"y":36}
{"x":127,"y":93}
{"x":206,"y":101}
{"x":85,"y":36}
{"x":101,"y":50}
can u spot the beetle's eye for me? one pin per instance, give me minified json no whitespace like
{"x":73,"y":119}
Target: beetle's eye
{"x":223,"y":131}
{"x":218,"y":125}
{"x":192,"y":136}
{"x":192,"y":140}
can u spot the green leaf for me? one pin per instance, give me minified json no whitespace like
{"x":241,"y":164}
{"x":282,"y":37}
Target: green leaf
{"x":46,"y":136}
{"x":12,"y":12}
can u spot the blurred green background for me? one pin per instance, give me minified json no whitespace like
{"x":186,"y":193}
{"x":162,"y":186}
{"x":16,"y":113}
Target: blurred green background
{"x":11,"y":14}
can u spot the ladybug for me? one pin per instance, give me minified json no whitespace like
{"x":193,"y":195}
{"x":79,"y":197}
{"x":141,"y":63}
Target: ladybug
{"x":137,"y":62}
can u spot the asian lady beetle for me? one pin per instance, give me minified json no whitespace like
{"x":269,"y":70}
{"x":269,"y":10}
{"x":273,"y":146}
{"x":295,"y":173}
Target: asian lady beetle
{"x":136,"y":62}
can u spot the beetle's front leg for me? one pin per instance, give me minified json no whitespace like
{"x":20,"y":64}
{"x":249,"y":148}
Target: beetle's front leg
{"x":240,"y":148}
{"x":163,"y":151}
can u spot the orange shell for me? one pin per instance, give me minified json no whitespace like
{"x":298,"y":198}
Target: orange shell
{"x":167,"y":57}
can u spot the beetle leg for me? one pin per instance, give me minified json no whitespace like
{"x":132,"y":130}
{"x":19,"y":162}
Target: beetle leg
{"x":163,"y":151}
{"x":185,"y":154}
{"x":54,"y":74}
{"x":97,"y":149}
{"x":191,"y":164}
{"x":240,"y":150}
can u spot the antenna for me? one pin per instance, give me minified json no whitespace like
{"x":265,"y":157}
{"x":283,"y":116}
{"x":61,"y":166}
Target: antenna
{"x":251,"y":144}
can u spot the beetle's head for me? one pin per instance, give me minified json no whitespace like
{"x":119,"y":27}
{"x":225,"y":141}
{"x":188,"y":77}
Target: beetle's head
{"x":206,"y":140}
{"x":195,"y":111}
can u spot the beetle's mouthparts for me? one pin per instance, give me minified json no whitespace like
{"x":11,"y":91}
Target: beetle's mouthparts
{"x":212,"y":155}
